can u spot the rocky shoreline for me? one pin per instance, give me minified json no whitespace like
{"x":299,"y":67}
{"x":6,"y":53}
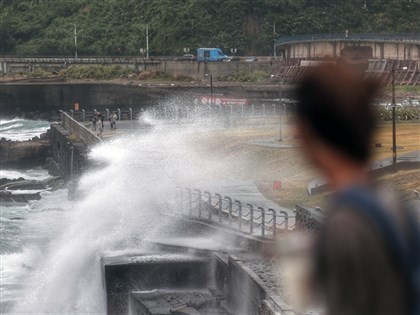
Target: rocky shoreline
{"x":24,"y":154}
{"x":35,"y":152}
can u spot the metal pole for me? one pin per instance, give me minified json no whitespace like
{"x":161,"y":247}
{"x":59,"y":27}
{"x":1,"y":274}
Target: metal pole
{"x":131,"y":113}
{"x":394,"y":134}
{"x":208,"y":203}
{"x":83,"y":115}
{"x":230,"y":209}
{"x":251,"y":218}
{"x":262,"y":221}
{"x":239,"y":214}
{"x":281,"y":116}
{"x":273,"y":212}
{"x":119,"y":114}
{"x":211,"y":89}
{"x":198,"y":201}
{"x":274,"y":45}
{"x":220,"y":206}
{"x":190,"y":201}
{"x":147,"y":41}
{"x":71,"y":163}
{"x":75,"y":41}
{"x":286,"y":220}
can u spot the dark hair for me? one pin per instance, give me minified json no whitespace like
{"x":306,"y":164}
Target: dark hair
{"x":335,"y":102}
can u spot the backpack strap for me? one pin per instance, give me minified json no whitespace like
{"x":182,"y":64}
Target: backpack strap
{"x":403,"y":251}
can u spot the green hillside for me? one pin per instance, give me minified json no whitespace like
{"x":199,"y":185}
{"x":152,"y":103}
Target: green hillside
{"x":45,"y":27}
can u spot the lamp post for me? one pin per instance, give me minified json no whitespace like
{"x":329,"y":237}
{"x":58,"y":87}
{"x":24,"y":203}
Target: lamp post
{"x":211,"y":87}
{"x":75,"y":40}
{"x":147,"y":41}
{"x":281,"y":116}
{"x":394,"y":131}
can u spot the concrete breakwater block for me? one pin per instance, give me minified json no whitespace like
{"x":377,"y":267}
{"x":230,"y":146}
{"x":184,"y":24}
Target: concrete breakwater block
{"x":162,"y":302}
{"x":145,"y":272}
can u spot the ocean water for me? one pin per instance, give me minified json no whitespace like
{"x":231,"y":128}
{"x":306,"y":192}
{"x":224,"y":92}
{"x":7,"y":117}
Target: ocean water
{"x":51,"y":248}
{"x":15,"y":255}
{"x":22,"y":129}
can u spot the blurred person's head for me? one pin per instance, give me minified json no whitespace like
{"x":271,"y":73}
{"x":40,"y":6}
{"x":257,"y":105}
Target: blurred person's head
{"x":336,"y":120}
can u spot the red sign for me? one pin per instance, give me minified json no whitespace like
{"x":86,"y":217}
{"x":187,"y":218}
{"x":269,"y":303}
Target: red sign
{"x":277,"y":185}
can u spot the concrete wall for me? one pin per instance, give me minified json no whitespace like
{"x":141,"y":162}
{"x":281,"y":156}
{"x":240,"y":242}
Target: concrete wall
{"x":197,"y":70}
{"x":248,"y":294}
{"x":62,"y":146}
{"x":333,"y":49}
{"x":27,"y":97}
{"x":49,"y":98}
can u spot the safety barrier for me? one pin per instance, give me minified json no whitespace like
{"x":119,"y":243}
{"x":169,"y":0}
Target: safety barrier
{"x":193,"y":113}
{"x":86,"y":115}
{"x":231,"y":113}
{"x":235,"y":214}
{"x":79,"y":130}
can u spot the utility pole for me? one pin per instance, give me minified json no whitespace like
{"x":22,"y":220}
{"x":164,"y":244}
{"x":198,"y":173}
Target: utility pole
{"x":147,"y":41}
{"x":394,"y":135}
{"x":281,"y":116}
{"x":211,"y":90}
{"x":211,"y":87}
{"x":75,"y":40}
{"x":394,"y":119}
{"x":274,"y":45}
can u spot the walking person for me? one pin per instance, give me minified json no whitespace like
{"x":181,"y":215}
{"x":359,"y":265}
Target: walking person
{"x":113,"y":118}
{"x":366,"y":255}
{"x":94,"y":120}
{"x":101,"y":119}
{"x":100,"y":127}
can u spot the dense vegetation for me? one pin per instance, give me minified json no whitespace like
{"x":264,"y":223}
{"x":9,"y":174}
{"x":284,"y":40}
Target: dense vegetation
{"x":45,"y":27}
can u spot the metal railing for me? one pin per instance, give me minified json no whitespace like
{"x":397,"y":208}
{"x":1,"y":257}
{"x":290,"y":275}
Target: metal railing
{"x":87,"y":115}
{"x":80,"y":60}
{"x":229,"y":112}
{"x":410,"y":37}
{"x":189,"y":113}
{"x":79,"y":130}
{"x":234,"y":214}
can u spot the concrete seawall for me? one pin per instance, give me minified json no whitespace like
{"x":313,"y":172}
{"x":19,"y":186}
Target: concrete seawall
{"x":49,"y":98}
{"x":64,"y":145}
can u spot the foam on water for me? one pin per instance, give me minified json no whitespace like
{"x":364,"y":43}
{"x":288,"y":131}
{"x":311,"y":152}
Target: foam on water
{"x":30,"y":174}
{"x":55,"y":266}
{"x":22,"y":129}
{"x":119,"y":206}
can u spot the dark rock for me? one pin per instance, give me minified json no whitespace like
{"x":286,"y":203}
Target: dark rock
{"x":4,"y":197}
{"x":4,"y":193}
{"x":24,"y":153}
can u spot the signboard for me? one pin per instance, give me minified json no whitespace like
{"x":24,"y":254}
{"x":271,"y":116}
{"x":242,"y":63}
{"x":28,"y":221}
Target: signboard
{"x":76,"y":106}
{"x":222,"y":101}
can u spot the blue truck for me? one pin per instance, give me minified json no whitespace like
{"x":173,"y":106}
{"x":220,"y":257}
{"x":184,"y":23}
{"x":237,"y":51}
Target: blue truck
{"x":211,"y":54}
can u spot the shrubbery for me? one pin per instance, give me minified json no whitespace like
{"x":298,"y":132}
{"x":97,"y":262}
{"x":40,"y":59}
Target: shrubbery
{"x":247,"y":76}
{"x":97,"y":72}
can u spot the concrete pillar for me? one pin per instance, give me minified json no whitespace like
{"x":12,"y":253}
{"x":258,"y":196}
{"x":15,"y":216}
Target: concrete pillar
{"x":334,"y":49}
{"x":382,"y":51}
